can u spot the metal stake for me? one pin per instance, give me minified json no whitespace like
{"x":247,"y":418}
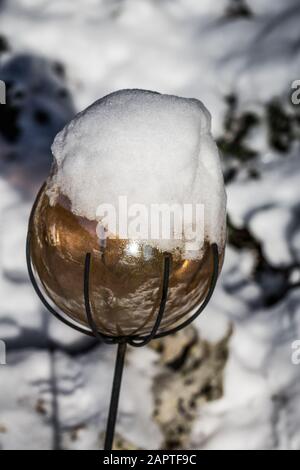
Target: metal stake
{"x":115,"y":395}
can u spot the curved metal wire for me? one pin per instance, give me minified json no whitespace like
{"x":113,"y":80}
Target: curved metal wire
{"x":164,"y":297}
{"x":135,"y":340}
{"x":138,"y":341}
{"x":86,"y":289}
{"x":212,"y":286}
{"x":42,"y":298}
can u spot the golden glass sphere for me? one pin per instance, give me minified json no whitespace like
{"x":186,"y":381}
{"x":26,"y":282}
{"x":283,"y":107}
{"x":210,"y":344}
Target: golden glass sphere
{"x":125,"y":276}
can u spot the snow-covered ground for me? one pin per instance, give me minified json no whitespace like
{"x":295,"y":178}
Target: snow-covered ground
{"x":240,"y":61}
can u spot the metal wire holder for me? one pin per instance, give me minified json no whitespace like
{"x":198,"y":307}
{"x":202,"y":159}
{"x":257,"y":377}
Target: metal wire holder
{"x":122,"y":341}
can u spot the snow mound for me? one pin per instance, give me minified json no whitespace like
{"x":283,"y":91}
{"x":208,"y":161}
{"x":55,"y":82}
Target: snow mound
{"x":149,"y":147}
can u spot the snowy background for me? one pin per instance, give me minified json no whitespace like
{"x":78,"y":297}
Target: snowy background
{"x":228,"y":382}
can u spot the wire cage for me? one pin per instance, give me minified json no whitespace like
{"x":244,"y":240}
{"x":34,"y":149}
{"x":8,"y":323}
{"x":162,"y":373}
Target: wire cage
{"x":122,"y":341}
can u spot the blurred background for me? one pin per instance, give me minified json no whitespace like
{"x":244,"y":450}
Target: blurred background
{"x":228,"y":381}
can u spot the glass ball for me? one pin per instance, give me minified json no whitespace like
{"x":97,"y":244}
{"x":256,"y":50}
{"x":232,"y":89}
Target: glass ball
{"x":125,"y":275}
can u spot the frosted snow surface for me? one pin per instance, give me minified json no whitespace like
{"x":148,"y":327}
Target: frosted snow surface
{"x":149,"y":147}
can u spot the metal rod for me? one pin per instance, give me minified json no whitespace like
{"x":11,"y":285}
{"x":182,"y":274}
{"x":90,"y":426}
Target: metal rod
{"x":115,"y":395}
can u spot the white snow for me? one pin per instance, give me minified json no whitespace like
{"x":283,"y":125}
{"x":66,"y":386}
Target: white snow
{"x":268,"y":207}
{"x":147,"y":147}
{"x":261,"y":385}
{"x":24,"y":425}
